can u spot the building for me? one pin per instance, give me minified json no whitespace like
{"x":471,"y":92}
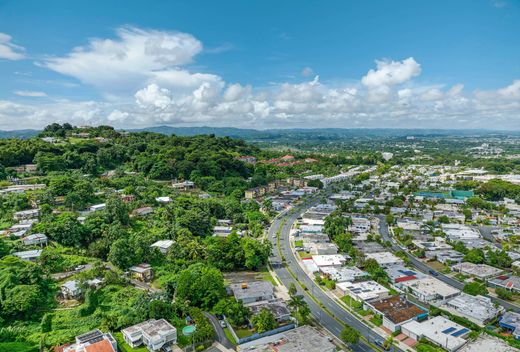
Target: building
{"x":322,"y":248}
{"x":446,"y":257}
{"x":26,"y":214}
{"x":252,"y":292}
{"x":156,"y":335}
{"x":143,"y":211}
{"x":437,"y":245}
{"x":71,"y":290}
{"x":385,"y":259}
{"x":163,"y":245}
{"x":509,"y":282}
{"x":163,"y":200}
{"x":343,"y":274}
{"x":477,"y":309}
{"x":488,"y":343}
{"x":397,"y":310}
{"x":29,"y":255}
{"x":93,"y":341}
{"x":184,"y":186}
{"x":364,"y":290}
{"x":360,"y":225}
{"x":97,"y":207}
{"x":303,"y":338}
{"x":277,"y":307}
{"x":329,"y":260}
{"x":222,"y":231}
{"x":439,"y":330}
{"x":35,"y":239}
{"x":458,"y":232}
{"x":429,"y":289}
{"x":142,"y":272}
{"x":481,"y":271}
{"x":399,"y":274}
{"x":511,"y":322}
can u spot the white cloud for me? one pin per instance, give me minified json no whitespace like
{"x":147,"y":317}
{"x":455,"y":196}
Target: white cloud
{"x":30,"y":93}
{"x":8,"y":50}
{"x":145,"y":81}
{"x":134,"y":58}
{"x":389,"y":73}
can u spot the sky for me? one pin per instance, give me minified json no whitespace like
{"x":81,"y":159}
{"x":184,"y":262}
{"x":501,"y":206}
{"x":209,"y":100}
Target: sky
{"x":261,"y":64}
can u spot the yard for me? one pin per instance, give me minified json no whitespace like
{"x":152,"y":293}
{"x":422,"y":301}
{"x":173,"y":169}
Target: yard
{"x":124,"y":347}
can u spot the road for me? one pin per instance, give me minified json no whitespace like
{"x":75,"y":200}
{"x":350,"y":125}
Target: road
{"x":383,"y":230}
{"x":221,"y":335}
{"x":318,"y":312}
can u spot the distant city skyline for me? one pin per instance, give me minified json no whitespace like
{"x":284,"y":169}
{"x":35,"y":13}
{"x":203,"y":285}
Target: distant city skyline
{"x":261,"y":64}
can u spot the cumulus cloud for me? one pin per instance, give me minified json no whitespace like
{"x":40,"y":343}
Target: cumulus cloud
{"x":146,"y":74}
{"x":134,"y":58}
{"x":30,"y":93}
{"x":8,"y":50}
{"x":389,"y":73}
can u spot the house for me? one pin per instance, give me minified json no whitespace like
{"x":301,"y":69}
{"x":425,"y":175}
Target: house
{"x":323,"y":248}
{"x":277,"y":307}
{"x":446,"y":257}
{"x":71,"y":290}
{"x":93,"y":341}
{"x":481,"y":271}
{"x":254,"y":291}
{"x":35,"y":239}
{"x":458,"y":232}
{"x":438,"y":330}
{"x":511,"y":322}
{"x":183,"y":185}
{"x":429,"y":289}
{"x":303,"y":338}
{"x":156,"y":335}
{"x":396,"y":310}
{"x":343,"y":274}
{"x":399,"y":274}
{"x":363,"y":291}
{"x":385,"y":259}
{"x":163,"y":245}
{"x":143,"y":211}
{"x":97,"y":207}
{"x":142,"y":272}
{"x":477,"y":309}
{"x":438,"y":244}
{"x":29,"y":255}
{"x":329,"y":260}
{"x":163,"y":200}
{"x":509,"y":282}
{"x":222,"y":231}
{"x":26,"y":214}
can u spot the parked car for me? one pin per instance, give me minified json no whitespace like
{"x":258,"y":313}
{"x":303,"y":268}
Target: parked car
{"x":223,"y":324}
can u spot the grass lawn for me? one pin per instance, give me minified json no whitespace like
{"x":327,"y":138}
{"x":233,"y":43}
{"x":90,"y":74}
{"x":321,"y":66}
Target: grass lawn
{"x":229,"y":335}
{"x":438,"y":266}
{"x":266,"y":276}
{"x":305,"y":255}
{"x":243,"y":332}
{"x":298,"y":243}
{"x":124,"y":347}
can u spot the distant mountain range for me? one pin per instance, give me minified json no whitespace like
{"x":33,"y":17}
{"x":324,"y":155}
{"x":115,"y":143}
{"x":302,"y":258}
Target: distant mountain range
{"x":314,"y":133}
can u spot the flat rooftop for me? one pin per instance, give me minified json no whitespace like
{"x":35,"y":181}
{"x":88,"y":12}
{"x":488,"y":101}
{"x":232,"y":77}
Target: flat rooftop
{"x":478,"y":270}
{"x":397,"y":309}
{"x":478,"y":309}
{"x":252,"y":289}
{"x":488,"y":343}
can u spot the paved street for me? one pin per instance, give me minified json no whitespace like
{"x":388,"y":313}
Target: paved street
{"x":318,"y":312}
{"x":383,"y":230}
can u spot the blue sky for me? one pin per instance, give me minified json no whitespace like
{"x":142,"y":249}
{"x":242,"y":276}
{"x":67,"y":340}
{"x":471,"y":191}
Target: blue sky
{"x":261,"y":63}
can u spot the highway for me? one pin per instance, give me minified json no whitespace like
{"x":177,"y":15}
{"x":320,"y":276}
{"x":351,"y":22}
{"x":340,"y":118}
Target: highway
{"x":321,"y":315}
{"x":383,"y":230}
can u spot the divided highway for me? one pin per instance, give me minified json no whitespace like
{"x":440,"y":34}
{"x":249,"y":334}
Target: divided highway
{"x":321,"y":315}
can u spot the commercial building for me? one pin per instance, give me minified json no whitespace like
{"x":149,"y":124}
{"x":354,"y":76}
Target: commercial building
{"x":385,"y":259}
{"x":481,"y":271}
{"x":364,"y":290}
{"x":154,"y":334}
{"x":303,"y":338}
{"x":396,"y":311}
{"x":429,"y":289}
{"x":329,"y":260}
{"x":477,"y":309}
{"x":254,"y":291}
{"x":439,"y":330}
